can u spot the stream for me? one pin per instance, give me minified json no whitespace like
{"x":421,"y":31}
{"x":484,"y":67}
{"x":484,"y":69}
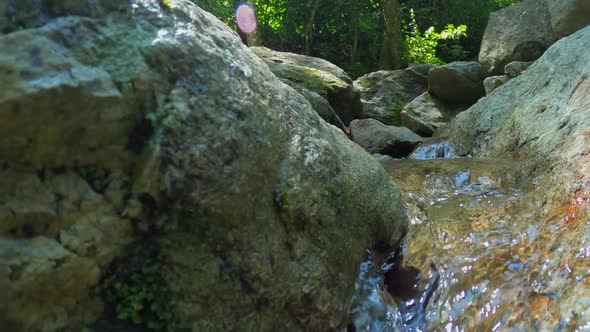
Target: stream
{"x":479,"y":256}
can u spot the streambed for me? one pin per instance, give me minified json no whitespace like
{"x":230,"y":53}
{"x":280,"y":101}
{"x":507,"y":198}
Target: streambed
{"x":479,"y":256}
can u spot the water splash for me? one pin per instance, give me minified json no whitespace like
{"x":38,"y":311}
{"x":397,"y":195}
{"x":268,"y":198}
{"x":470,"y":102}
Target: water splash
{"x":436,"y":150}
{"x":503,"y":263}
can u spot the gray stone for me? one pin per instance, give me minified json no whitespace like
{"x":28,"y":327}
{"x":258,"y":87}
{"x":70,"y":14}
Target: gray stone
{"x":521,"y":32}
{"x":376,"y":137}
{"x":426,"y":113}
{"x":493,"y":82}
{"x":317,"y":75}
{"x":516,"y":68}
{"x":382,"y":157}
{"x":160,"y":118}
{"x":319,"y":104}
{"x":301,"y":60}
{"x":420,"y":72}
{"x":459,"y":82}
{"x":385,"y":93}
{"x":541,"y":117}
{"x":568,"y":16}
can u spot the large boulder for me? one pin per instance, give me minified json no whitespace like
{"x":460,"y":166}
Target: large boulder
{"x":156,"y":173}
{"x":542,"y":117}
{"x":521,"y":32}
{"x":384,"y":93}
{"x":376,"y":137}
{"x":459,"y":82}
{"x":426,"y":113}
{"x":568,"y":16}
{"x":317,"y":75}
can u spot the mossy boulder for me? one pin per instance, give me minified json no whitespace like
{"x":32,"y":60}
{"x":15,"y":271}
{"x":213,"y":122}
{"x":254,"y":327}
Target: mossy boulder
{"x":316,"y":75}
{"x":385,"y":93}
{"x":150,"y":125}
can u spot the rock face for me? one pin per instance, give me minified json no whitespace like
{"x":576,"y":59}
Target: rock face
{"x":459,"y":82}
{"x":385,"y":93}
{"x":521,"y":32}
{"x":568,"y":16}
{"x":493,"y":82}
{"x":540,"y":116}
{"x":154,"y":126}
{"x":56,"y":236}
{"x":376,"y":137}
{"x":426,"y":113}
{"x":317,"y":75}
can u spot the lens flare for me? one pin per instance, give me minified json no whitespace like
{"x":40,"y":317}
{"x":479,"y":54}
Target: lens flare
{"x":246,"y":18}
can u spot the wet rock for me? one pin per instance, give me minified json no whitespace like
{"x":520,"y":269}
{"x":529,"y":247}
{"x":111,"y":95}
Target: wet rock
{"x":516,"y":68}
{"x":385,"y":93}
{"x":426,"y":113}
{"x":568,"y":16}
{"x":521,"y":32}
{"x":317,"y":75}
{"x":459,"y":82}
{"x":539,"y":116}
{"x":493,"y":82}
{"x":376,"y":137}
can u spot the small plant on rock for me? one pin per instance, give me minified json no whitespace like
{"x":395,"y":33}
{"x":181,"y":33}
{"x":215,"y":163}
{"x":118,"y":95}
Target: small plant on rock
{"x":137,"y":292}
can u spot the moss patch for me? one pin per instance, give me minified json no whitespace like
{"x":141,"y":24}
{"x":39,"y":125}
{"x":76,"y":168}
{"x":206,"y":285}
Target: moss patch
{"x":393,"y":115}
{"x":136,"y":292}
{"x":312,"y":79}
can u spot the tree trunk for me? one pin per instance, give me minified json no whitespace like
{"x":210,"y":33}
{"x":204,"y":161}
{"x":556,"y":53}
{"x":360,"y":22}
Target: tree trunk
{"x":254,"y":37}
{"x":391,"y":50}
{"x":355,"y":40}
{"x":309,"y":26}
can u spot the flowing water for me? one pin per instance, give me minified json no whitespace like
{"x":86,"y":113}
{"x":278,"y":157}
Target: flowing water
{"x":479,"y":256}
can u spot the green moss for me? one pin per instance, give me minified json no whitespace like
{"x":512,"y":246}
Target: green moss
{"x":312,"y":79}
{"x":136,"y":292}
{"x":393,"y":115}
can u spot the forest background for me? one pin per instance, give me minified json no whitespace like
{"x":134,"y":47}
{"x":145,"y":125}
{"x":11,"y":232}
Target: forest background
{"x":362,"y":36}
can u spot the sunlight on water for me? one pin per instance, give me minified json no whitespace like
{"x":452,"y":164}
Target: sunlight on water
{"x":485,"y":257}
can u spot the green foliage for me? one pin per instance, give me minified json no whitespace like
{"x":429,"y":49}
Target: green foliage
{"x":166,"y":4}
{"x":422,"y":47}
{"x":135,"y":289}
{"x":222,"y":9}
{"x":349,"y":33}
{"x":472,"y":13}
